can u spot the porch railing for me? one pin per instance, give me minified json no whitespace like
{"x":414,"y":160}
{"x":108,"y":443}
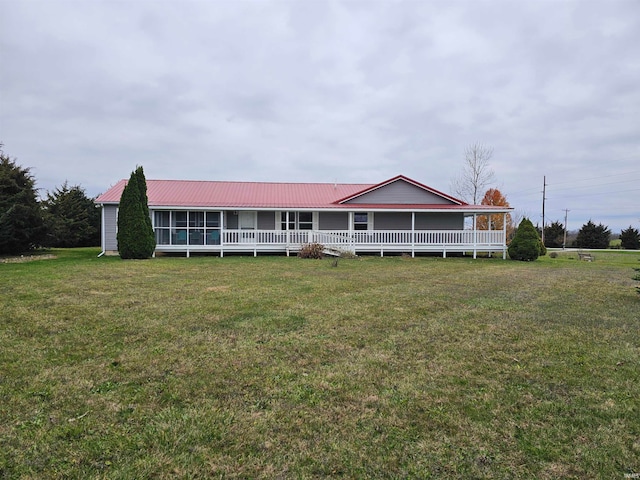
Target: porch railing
{"x":352,"y":239}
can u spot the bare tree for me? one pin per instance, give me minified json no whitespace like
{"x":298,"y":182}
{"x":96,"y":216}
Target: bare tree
{"x":476,"y":174}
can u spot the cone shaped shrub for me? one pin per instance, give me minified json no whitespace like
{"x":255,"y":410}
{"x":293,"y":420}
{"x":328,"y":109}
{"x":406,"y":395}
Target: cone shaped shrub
{"x":526,"y":244}
{"x":136,"y":238}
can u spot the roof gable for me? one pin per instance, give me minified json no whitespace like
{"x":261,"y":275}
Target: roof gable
{"x":400,"y":190}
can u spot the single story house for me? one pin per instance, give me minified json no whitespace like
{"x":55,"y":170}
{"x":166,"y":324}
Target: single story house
{"x":399,"y":215}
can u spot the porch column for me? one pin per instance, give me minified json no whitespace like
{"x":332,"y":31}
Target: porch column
{"x":286,"y":217}
{"x":221,"y":233}
{"x":351,"y":240}
{"x":475,"y":235}
{"x":489,"y":221}
{"x":413,"y":234}
{"x":504,"y":236}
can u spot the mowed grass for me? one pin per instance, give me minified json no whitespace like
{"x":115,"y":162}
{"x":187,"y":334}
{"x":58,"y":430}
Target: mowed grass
{"x":276,"y":367}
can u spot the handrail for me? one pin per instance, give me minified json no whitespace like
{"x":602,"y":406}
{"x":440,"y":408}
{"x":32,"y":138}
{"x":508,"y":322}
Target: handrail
{"x":365,"y":237}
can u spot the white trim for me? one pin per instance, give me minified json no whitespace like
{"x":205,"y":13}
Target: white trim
{"x":343,"y":208}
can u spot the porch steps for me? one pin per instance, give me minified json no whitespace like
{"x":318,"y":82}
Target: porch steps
{"x":335,"y":252}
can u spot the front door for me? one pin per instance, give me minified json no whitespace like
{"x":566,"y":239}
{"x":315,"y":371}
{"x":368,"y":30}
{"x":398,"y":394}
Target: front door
{"x":247,"y":222}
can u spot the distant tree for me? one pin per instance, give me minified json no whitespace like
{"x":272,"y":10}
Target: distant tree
{"x":630,"y":238}
{"x":21,"y":225}
{"x":593,"y":236}
{"x":73,"y":219}
{"x":136,"y":238}
{"x":526,"y":244}
{"x":494,"y":197}
{"x":554,"y":235}
{"x":476,"y":174}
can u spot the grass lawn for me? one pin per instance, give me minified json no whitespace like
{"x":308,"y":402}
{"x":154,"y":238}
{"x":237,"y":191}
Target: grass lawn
{"x":276,"y":367}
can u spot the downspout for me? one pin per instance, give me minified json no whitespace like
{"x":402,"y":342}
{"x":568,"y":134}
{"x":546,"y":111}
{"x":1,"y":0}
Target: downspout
{"x":102,"y":233}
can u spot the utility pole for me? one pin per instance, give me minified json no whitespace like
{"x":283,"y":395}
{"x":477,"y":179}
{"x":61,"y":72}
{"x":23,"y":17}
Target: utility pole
{"x":566,"y":214}
{"x":544,"y":190}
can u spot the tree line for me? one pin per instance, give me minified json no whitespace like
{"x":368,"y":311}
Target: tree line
{"x":590,"y":235}
{"x":66,"y":217}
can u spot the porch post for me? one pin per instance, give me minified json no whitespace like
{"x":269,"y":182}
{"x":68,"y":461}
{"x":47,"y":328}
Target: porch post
{"x":504,"y":236}
{"x":286,"y":218}
{"x":475,"y":235}
{"x":351,"y":240}
{"x":489,"y":226}
{"x":221,"y":233}
{"x":413,"y":234}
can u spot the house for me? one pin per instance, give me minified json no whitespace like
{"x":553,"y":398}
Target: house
{"x":399,"y":215}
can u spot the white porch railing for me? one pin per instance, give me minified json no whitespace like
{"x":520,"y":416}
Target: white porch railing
{"x":365,"y":237}
{"x":425,"y":240}
{"x":355,"y":241}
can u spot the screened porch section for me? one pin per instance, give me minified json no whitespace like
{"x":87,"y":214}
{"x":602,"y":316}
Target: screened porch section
{"x":187,"y":228}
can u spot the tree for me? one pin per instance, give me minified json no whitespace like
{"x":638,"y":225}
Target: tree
{"x":593,"y":236}
{"x":73,"y":220}
{"x":630,"y":238}
{"x":476,"y":173}
{"x":494,"y":197}
{"x":21,"y":225}
{"x":136,"y":238}
{"x":554,"y":235}
{"x":526,"y":244}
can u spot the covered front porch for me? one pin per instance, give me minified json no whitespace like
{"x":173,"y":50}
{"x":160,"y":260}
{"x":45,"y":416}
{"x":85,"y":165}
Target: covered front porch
{"x":358,"y":242}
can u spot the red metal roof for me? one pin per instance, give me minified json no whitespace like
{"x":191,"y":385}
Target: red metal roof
{"x":187,"y":193}
{"x":258,"y":195}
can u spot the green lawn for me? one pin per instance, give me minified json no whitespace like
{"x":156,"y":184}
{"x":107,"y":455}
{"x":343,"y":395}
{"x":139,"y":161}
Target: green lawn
{"x":276,"y":367}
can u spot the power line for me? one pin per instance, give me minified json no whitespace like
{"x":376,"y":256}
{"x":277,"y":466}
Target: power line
{"x":637,"y":172}
{"x":591,"y":194}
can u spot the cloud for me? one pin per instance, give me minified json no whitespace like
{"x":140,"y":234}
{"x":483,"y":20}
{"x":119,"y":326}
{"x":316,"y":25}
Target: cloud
{"x":329,"y":91}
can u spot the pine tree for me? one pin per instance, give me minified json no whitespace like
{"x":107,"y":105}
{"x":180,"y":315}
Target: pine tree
{"x":136,"y":238}
{"x":630,"y":238}
{"x":554,"y":235}
{"x":593,"y":236}
{"x":526,"y":244}
{"x":72,"y":218}
{"x":21,"y":225}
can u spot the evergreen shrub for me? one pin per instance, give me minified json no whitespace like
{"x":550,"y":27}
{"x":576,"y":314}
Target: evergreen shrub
{"x":526,"y":244}
{"x":136,"y":238}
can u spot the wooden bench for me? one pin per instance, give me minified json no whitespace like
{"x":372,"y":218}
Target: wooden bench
{"x":585,"y":256}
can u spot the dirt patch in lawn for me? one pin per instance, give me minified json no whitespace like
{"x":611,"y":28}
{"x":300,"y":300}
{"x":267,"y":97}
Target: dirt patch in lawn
{"x":27,"y":258}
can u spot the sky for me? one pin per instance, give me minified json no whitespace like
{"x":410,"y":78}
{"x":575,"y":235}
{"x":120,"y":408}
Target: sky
{"x":331,"y":91}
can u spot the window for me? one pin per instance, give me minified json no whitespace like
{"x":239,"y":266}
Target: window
{"x":305,"y":220}
{"x":296,"y":221}
{"x":360,"y":221}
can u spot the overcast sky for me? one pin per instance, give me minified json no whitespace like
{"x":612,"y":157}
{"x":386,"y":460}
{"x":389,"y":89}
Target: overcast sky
{"x":324,"y":91}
